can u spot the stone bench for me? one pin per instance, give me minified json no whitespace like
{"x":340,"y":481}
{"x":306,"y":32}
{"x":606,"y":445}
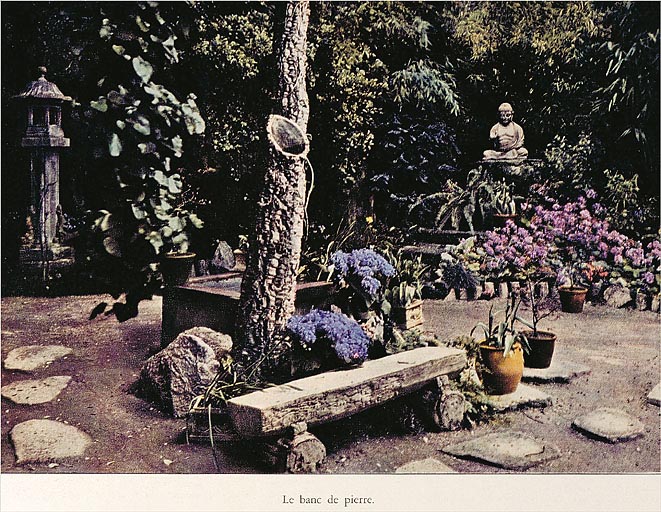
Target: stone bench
{"x":288,"y":409}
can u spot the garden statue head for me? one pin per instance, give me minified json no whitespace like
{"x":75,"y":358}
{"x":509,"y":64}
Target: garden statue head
{"x":505,"y":113}
{"x":506,"y":137}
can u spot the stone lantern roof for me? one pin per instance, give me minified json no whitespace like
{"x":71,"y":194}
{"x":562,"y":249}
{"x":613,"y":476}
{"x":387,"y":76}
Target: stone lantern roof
{"x":42,"y":89}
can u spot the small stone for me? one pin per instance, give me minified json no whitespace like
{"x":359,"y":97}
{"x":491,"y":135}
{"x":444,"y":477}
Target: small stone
{"x":656,"y":304}
{"x":32,"y":357}
{"x":488,"y":290}
{"x":641,"y":301}
{"x":655,"y":395}
{"x":608,"y":424}
{"x":429,"y":465}
{"x":31,"y":392}
{"x":510,"y":450}
{"x":451,"y":296}
{"x":47,"y":440}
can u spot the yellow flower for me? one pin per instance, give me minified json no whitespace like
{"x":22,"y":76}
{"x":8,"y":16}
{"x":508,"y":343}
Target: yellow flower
{"x":369,"y":219}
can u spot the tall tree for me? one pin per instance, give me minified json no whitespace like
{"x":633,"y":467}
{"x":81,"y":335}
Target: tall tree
{"x":269,"y":283}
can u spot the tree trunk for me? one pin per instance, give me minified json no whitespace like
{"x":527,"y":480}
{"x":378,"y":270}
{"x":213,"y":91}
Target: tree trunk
{"x":269,"y":283}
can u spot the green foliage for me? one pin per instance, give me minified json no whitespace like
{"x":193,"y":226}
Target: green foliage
{"x":479,"y":406}
{"x":457,"y":277}
{"x":568,"y":167}
{"x":630,"y":56}
{"x":502,"y":333}
{"x":503,"y":198}
{"x":146,"y":125}
{"x":406,"y":286}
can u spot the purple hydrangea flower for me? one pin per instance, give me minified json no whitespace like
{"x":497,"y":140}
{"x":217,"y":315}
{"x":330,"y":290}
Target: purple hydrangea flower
{"x":362,"y":268}
{"x":343,"y":334}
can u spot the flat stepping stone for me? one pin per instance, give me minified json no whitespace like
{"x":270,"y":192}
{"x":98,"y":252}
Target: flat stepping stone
{"x":611,"y":425}
{"x":509,"y":450}
{"x":524,"y":397}
{"x":47,"y":441}
{"x":32,"y":357}
{"x":31,"y":392}
{"x":655,"y":395}
{"x":560,"y":371}
{"x":429,"y":465}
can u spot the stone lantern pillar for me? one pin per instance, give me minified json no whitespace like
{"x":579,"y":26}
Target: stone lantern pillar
{"x":42,"y":103}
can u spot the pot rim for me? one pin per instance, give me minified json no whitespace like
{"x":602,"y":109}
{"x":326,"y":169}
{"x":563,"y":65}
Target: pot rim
{"x":179,"y":255}
{"x":516,"y":346}
{"x":546,"y":335}
{"x":572,"y":289}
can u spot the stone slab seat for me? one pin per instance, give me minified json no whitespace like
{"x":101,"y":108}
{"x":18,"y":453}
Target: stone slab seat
{"x":334,"y":395}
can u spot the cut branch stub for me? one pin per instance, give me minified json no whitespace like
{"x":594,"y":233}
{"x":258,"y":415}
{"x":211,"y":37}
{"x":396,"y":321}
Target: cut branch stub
{"x":287,"y":137}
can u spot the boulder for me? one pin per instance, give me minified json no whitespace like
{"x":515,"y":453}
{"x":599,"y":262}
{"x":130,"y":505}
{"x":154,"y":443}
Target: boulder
{"x":617,"y":296}
{"x":223,"y":258}
{"x":183,"y":370}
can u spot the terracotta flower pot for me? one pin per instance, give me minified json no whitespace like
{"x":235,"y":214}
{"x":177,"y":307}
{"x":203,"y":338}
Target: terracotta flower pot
{"x":541,"y":349}
{"x":176,"y":268}
{"x":504,"y":372}
{"x":572,"y":298}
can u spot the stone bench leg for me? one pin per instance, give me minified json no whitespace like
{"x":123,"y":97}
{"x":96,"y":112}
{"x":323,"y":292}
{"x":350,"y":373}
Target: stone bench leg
{"x":443,"y":406}
{"x":298,"y":452}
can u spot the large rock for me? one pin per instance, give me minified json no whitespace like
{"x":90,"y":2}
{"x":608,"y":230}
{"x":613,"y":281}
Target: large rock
{"x":617,"y":296}
{"x":183,"y":370}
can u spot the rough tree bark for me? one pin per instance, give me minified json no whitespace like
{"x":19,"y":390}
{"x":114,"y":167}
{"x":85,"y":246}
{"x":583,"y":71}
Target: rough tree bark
{"x":269,"y":283}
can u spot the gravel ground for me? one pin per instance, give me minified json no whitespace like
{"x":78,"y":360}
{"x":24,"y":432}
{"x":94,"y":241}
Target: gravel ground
{"x":621,"y":347}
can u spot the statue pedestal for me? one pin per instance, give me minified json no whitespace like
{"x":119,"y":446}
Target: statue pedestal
{"x":504,"y":167}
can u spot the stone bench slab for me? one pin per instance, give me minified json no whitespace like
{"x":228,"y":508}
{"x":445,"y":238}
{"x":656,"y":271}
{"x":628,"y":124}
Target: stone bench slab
{"x":334,"y":395}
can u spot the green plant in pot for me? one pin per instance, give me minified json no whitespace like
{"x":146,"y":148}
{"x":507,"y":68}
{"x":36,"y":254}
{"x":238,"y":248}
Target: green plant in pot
{"x":502,"y":349}
{"x":541,"y":343}
{"x":503,"y":203}
{"x":144,"y":229}
{"x":405,"y":292}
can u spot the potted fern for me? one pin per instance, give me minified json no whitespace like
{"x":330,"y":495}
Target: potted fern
{"x":504,"y":206}
{"x":501,"y":350}
{"x":405,"y":292}
{"x":541,"y":343}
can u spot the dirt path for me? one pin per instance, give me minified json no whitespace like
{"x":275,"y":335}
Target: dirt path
{"x":130,"y":436}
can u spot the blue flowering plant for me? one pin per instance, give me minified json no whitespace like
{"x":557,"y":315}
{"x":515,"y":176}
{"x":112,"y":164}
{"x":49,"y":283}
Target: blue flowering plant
{"x":361,"y":277}
{"x":323,"y":340}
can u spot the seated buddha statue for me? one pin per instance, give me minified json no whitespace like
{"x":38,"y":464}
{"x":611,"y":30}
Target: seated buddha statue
{"x":506,"y":137}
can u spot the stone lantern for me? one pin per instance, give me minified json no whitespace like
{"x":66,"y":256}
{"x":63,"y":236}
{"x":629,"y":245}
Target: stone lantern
{"x":42,"y":102}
